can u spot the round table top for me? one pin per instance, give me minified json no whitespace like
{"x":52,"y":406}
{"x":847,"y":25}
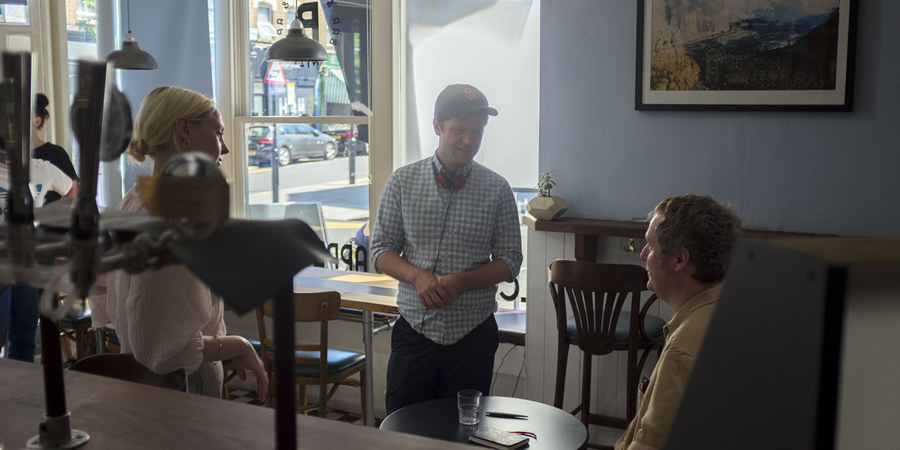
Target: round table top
{"x":439,"y":419}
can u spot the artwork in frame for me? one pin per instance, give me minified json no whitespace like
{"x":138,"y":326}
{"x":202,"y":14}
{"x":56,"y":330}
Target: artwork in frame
{"x":745,"y":55}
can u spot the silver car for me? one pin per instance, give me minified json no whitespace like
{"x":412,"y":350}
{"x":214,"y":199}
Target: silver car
{"x":291,"y":142}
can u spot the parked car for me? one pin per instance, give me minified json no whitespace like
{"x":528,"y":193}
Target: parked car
{"x":342,"y":135}
{"x":291,"y":142}
{"x":362,"y":148}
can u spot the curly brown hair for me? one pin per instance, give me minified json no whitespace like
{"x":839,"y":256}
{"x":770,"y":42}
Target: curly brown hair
{"x":706,"y":228}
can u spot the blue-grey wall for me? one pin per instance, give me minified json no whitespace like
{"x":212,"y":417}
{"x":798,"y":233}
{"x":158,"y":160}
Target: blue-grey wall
{"x":815,"y":172}
{"x":176,"y":33}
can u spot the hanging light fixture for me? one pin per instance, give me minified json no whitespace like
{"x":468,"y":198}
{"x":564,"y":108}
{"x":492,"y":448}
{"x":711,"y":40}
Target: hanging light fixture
{"x":131,"y":57}
{"x":296,"y":46}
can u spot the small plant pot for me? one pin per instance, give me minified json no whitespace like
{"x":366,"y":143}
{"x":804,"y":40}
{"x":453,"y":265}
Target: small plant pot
{"x":546,"y":208}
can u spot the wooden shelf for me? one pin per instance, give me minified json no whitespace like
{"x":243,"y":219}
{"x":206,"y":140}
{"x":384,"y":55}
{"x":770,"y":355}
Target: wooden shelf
{"x":586,"y":232}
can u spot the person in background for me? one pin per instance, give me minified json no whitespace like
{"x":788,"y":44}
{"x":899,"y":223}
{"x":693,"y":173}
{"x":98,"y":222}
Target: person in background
{"x":448,"y":229}
{"x":362,"y":236}
{"x":51,"y":153}
{"x":689,"y":244}
{"x":19,"y":304}
{"x":59,"y":157}
{"x":166,"y":317}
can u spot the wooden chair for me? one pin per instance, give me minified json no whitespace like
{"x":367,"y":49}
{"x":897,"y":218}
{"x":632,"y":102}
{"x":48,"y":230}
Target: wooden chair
{"x":123,"y":366}
{"x":108,"y":339}
{"x":76,"y":326}
{"x":316,"y":364}
{"x":596,"y":294}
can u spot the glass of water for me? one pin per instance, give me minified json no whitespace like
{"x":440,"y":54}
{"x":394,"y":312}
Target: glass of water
{"x":469,"y":403}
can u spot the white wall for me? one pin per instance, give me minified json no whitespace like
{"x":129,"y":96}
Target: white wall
{"x":492,"y":45}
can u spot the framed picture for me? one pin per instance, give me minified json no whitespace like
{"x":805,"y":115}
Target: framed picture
{"x":745,"y":55}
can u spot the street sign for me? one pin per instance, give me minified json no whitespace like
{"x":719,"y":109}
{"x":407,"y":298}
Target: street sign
{"x":275,"y":74}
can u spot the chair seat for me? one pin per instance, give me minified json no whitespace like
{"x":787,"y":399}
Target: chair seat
{"x":652,"y":324}
{"x":338,"y":361}
{"x":76,"y":317}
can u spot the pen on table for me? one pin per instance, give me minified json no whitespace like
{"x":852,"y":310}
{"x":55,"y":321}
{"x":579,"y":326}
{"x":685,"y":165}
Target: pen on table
{"x":504,"y":415}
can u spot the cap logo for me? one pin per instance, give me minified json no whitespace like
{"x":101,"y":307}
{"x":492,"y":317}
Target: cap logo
{"x":470,"y":93}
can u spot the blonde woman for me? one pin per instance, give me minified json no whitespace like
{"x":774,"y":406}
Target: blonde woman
{"x":167,"y":317}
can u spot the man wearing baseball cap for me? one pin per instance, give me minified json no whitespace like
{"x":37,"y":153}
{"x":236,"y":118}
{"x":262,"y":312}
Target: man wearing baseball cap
{"x":448,"y":229}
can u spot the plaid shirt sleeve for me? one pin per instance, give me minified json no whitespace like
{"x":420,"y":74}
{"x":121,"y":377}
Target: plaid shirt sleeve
{"x":507,"y":237}
{"x":387,"y":234}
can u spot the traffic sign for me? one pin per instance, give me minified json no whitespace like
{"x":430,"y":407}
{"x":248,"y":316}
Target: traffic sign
{"x":275,"y":74}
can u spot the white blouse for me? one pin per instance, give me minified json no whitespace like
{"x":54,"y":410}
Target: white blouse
{"x":162,"y":315}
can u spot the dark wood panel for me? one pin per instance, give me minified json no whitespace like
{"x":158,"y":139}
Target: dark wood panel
{"x":587,"y":230}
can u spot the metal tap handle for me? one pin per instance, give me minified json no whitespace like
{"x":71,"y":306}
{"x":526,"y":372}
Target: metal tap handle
{"x":16,"y":138}
{"x":87,"y":124}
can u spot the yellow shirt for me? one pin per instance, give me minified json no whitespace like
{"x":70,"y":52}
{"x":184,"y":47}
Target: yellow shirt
{"x":660,"y":399}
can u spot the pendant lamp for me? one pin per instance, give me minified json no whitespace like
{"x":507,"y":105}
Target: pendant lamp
{"x":296,"y":46}
{"x":131,"y":57}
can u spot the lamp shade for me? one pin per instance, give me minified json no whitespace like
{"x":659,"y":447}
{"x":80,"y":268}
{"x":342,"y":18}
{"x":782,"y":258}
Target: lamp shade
{"x":131,"y":57}
{"x":296,"y":47}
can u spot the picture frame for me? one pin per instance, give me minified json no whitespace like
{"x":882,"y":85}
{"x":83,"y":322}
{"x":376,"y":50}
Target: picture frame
{"x":794,"y":56}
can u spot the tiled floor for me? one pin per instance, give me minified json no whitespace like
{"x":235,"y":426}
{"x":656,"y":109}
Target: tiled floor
{"x":249,"y":397}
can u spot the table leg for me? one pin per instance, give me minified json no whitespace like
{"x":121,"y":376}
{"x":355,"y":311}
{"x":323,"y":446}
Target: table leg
{"x":368,"y":318}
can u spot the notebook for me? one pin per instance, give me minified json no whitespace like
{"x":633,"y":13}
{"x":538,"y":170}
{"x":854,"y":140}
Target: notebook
{"x":494,"y":438}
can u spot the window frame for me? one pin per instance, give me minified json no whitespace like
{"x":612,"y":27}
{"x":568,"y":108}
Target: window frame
{"x":235,"y":99}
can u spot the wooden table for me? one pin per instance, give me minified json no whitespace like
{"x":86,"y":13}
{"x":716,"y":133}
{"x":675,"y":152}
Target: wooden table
{"x":123,"y":415}
{"x":368,"y":292}
{"x":439,"y":419}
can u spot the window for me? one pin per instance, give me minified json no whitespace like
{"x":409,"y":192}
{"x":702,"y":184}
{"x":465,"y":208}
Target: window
{"x":263,"y":14}
{"x":14,"y":14}
{"x":304,"y":128}
{"x":81,"y":43}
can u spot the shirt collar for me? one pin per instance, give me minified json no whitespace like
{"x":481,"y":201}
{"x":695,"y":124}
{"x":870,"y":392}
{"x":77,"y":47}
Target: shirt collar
{"x":464,"y":170}
{"x":704,"y":298}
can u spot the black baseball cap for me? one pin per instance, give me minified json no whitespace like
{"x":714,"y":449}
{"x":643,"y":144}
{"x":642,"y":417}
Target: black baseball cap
{"x":457,"y":100}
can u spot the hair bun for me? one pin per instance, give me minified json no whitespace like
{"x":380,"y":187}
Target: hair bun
{"x":138,"y":150}
{"x":41,"y":101}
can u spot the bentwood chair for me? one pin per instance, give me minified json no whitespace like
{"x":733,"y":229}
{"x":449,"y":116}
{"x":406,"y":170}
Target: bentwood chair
{"x":123,"y":366}
{"x":596,"y":294}
{"x":316,"y":364}
{"x":76,"y":326}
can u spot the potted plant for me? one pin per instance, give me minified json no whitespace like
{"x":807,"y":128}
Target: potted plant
{"x":546,"y":206}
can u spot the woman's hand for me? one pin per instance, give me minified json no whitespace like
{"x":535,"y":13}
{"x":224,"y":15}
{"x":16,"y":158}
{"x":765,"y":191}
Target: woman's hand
{"x":249,"y":360}
{"x":242,"y":354}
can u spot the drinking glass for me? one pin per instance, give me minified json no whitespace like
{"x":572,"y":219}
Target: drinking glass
{"x":469,"y":403}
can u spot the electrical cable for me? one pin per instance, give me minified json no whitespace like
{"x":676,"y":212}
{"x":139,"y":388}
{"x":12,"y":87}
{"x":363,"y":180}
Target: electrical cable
{"x":501,"y":366}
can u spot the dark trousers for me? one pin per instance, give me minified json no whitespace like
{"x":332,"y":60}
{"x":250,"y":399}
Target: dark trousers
{"x":19,"y":321}
{"x":421,"y":370}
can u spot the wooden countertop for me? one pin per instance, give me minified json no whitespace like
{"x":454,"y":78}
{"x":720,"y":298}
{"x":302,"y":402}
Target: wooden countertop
{"x":123,"y":415}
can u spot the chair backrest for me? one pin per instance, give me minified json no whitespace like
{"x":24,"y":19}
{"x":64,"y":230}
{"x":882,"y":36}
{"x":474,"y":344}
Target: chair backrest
{"x":597,"y":292}
{"x":123,"y":366}
{"x":319,"y":307}
{"x":265,"y":211}
{"x":311,"y":213}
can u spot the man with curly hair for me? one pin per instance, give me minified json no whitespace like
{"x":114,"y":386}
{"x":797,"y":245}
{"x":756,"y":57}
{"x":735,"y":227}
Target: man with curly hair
{"x":689,"y":244}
